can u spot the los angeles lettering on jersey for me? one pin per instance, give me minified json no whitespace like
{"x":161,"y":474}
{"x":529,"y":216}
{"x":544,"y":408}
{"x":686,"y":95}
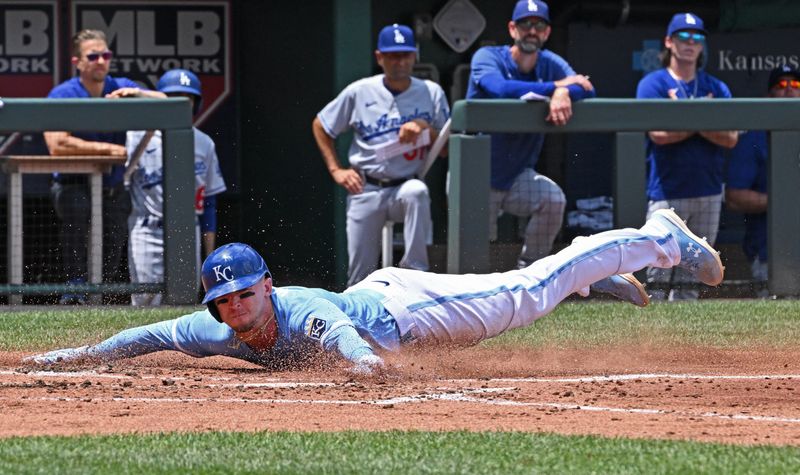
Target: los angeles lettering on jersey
{"x":384,"y":124}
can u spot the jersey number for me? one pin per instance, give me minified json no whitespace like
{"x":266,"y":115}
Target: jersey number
{"x":417,"y":152}
{"x":199,"y":196}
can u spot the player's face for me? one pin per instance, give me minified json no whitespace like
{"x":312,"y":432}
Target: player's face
{"x":248,"y":308}
{"x":94,"y":61}
{"x":396,"y":66}
{"x":787,"y":86}
{"x":529,"y":33}
{"x":686,"y":45}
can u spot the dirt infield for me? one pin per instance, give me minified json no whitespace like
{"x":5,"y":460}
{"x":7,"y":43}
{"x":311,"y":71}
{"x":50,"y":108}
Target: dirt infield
{"x":743,"y":397}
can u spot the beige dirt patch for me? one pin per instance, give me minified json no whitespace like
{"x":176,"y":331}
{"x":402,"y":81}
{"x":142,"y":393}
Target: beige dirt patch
{"x":741,"y":397}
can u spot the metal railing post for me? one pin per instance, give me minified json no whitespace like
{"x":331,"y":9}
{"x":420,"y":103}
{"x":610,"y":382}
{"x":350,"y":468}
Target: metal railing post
{"x":180,"y":257}
{"x":783,"y":214}
{"x":629,"y":180}
{"x":468,"y":200}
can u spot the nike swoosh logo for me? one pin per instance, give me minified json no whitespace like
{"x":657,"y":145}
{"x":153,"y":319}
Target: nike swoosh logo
{"x":370,"y":104}
{"x":151,"y":150}
{"x":385,"y":284}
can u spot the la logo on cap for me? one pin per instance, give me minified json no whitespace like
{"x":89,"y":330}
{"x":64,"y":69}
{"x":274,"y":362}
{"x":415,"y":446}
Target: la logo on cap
{"x":398,"y":37}
{"x":532,"y":7}
{"x":690,"y":19}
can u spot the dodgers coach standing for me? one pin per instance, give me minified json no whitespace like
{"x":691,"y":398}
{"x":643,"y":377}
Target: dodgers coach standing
{"x":385,"y":108}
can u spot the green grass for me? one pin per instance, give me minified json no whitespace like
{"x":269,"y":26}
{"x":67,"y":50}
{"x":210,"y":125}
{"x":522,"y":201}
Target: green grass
{"x":58,"y":327}
{"x":719,"y":324}
{"x":385,"y":452}
{"x":707,"y":323}
{"x":712,"y":323}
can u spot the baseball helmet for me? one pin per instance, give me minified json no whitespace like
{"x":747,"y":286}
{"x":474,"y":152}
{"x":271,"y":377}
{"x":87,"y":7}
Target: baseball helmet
{"x":181,"y":80}
{"x":231,"y":268}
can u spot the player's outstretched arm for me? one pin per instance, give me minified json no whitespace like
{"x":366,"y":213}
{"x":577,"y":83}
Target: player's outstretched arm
{"x":125,"y":344}
{"x":196,"y":334}
{"x":65,"y":355}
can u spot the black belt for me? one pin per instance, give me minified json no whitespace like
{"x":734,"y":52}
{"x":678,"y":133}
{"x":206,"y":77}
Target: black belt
{"x":151,"y":221}
{"x":387,"y":183}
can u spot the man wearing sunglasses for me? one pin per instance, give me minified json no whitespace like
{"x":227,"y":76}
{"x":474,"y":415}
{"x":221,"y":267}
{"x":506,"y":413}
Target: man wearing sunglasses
{"x":92,"y":59}
{"x":511,"y":72}
{"x":685,"y":168}
{"x":746,"y":189}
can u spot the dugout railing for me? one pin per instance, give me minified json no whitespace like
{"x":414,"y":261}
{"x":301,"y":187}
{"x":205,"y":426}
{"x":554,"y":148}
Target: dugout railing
{"x":174,"y":118}
{"x":629,"y":120}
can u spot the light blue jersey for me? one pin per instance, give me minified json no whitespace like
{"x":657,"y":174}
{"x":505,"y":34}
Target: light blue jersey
{"x":309,"y":321}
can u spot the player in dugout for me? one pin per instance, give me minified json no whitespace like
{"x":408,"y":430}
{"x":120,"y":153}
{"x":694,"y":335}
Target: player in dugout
{"x":250,"y":319}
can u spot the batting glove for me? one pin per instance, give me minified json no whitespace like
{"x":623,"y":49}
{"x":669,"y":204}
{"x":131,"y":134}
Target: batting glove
{"x":368,"y":365}
{"x":58,"y":356}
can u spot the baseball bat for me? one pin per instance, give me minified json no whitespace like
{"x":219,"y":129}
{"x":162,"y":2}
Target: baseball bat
{"x":436,"y":148}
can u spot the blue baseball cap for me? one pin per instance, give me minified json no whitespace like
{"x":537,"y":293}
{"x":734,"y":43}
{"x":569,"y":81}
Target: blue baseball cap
{"x":526,"y":8}
{"x":685,"y":21}
{"x":396,"y":38}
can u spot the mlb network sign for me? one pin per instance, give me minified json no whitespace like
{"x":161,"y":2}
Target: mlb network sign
{"x":28,"y":48}
{"x":150,"y":38}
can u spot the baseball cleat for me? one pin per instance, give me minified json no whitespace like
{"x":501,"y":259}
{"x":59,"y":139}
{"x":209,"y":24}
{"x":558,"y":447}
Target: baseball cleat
{"x":697,"y":256}
{"x":624,"y":287}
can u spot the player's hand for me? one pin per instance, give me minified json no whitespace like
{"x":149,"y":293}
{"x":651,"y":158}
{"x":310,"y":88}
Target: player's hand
{"x":409,"y":132}
{"x":124,"y":92}
{"x":560,"y":107}
{"x":368,"y":365}
{"x":348,"y":179}
{"x":65,"y":355}
{"x":579,"y":79}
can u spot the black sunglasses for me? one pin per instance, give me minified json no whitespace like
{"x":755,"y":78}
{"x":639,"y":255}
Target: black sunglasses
{"x":525,"y":25}
{"x":106,"y":55}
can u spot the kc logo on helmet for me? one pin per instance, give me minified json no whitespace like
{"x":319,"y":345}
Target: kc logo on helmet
{"x":223,"y":274}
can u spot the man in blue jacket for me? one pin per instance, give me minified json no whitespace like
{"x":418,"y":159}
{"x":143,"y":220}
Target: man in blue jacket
{"x":511,"y":72}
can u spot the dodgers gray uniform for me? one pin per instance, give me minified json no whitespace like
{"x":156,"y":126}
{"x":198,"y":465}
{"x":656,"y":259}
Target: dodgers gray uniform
{"x":375,"y":114}
{"x":146,"y":241}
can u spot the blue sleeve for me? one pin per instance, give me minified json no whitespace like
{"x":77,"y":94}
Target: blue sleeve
{"x":556,"y":68}
{"x":649,"y":88}
{"x":577,"y":93}
{"x":125,"y":82}
{"x":724,"y":91}
{"x":485,"y":73}
{"x":743,"y":163}
{"x":197,"y":334}
{"x":208,"y":220}
{"x":332,"y":329}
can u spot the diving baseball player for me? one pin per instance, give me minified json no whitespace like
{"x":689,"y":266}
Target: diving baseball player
{"x":248,"y":318}
{"x":382,"y":109}
{"x":146,"y":244}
